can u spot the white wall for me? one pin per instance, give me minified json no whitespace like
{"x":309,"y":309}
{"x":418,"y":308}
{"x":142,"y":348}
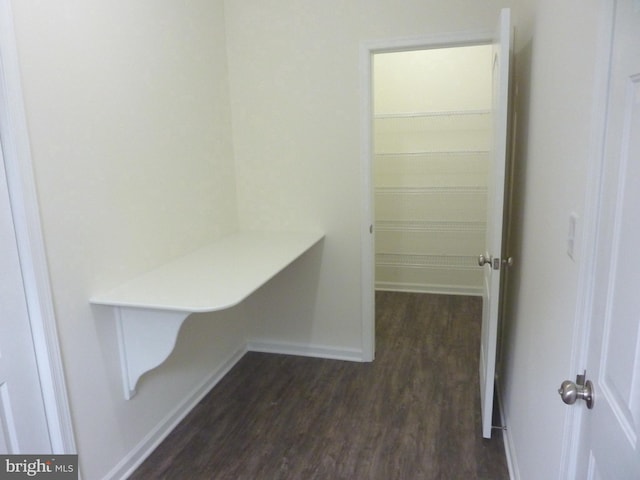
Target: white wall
{"x":129,"y":119}
{"x":437,"y":80}
{"x":555,"y":62}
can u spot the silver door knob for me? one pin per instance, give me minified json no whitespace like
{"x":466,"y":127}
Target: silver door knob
{"x":570,"y":392}
{"x":482,"y":260}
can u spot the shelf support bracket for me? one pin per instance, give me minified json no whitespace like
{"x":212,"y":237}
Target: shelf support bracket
{"x":146,"y":338}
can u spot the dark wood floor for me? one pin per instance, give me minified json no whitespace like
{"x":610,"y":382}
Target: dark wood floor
{"x":411,"y":414}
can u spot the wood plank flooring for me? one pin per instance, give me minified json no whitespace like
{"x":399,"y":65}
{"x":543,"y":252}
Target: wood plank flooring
{"x":414,"y":413}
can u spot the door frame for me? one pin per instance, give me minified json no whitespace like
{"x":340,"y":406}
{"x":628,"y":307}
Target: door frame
{"x":590,"y":225}
{"x":367,"y":50}
{"x":31,"y":248}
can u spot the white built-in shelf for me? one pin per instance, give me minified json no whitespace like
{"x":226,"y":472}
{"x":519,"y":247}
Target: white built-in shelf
{"x":151,"y":308}
{"x":215,"y":277}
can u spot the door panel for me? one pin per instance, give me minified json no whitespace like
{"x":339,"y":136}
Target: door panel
{"x":610,"y":431}
{"x":495,"y":220}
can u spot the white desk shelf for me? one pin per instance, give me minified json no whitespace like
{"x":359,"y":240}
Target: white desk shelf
{"x":151,"y":308}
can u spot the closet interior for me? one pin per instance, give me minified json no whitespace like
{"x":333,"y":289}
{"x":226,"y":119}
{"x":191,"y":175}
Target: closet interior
{"x":432,"y":135}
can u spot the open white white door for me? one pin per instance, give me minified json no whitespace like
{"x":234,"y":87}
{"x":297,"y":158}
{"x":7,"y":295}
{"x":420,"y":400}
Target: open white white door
{"x":495,"y":213}
{"x":23,"y":424}
{"x":610,"y":431}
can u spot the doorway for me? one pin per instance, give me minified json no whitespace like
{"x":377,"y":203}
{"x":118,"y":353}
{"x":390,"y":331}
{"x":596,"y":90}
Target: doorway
{"x":368,"y":52}
{"x":491,"y":258}
{"x":431,"y":173}
{"x":431,"y":142}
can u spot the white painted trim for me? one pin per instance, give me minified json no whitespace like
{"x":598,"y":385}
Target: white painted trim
{"x":509,"y":446}
{"x":425,"y":42}
{"x":588,"y":240}
{"x":33,"y":262}
{"x":367,"y":50}
{"x":306,"y":350}
{"x":467,"y":290}
{"x":156,"y":435}
{"x":367,"y":262}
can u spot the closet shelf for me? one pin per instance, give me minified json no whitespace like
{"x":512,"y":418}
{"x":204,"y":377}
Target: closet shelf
{"x":430,"y":226}
{"x":443,"y":153}
{"x":151,"y":308}
{"x":449,"y":190}
{"x":449,"y":113}
{"x":409,"y":260}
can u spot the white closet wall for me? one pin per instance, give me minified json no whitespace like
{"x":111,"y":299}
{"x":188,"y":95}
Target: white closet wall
{"x":432,"y":133}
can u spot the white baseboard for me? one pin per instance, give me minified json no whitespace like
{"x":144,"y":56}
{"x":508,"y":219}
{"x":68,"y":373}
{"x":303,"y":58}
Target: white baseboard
{"x":149,"y":443}
{"x":468,"y":290}
{"x":509,"y":448}
{"x":305,"y":350}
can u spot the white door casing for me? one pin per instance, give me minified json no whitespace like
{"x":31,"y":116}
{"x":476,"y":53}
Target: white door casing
{"x":25,"y":217}
{"x":609,"y":433}
{"x":23,"y":423}
{"x":495,"y":217}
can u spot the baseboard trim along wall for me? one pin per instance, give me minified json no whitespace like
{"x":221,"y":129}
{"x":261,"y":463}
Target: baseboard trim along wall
{"x":305,"y":350}
{"x":509,"y":447}
{"x":151,"y":441}
{"x":428,"y":288}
